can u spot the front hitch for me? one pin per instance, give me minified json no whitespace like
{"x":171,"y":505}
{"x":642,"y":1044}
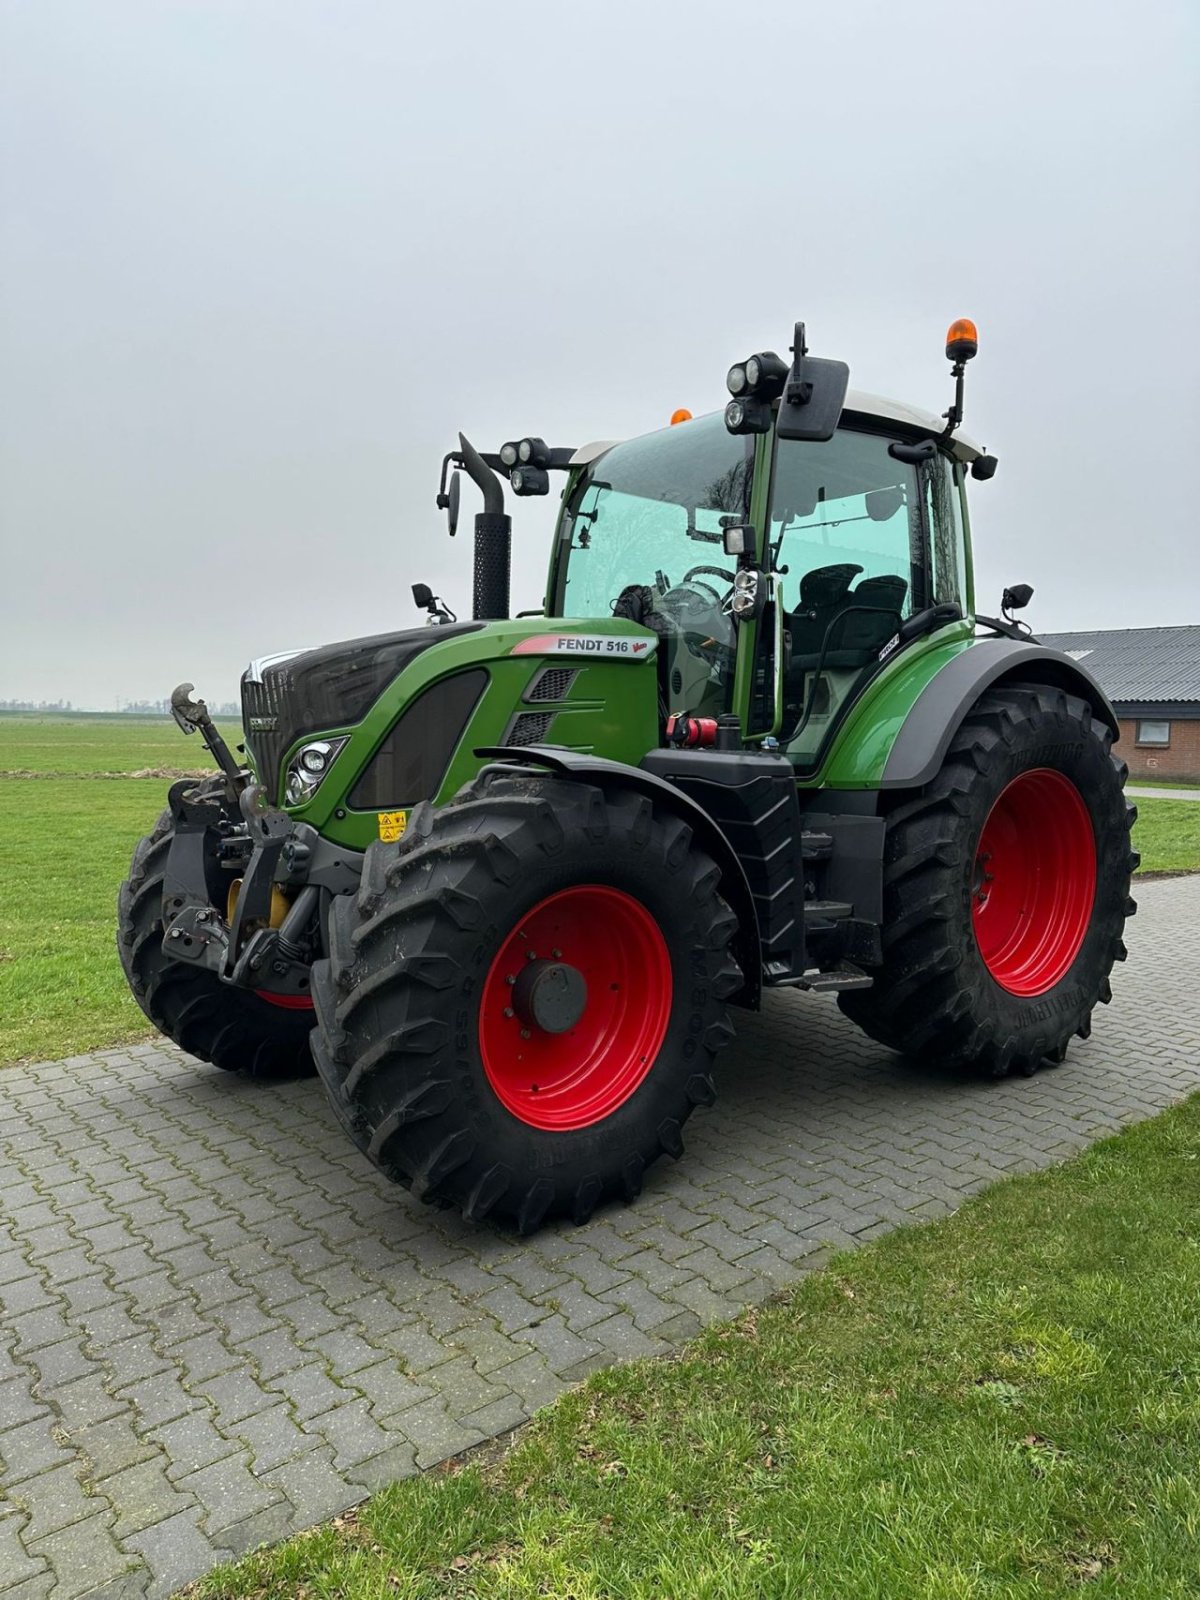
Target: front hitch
{"x":192,"y":716}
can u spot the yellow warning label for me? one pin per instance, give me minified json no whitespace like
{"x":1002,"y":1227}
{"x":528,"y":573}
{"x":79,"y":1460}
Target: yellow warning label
{"x":392,"y":824}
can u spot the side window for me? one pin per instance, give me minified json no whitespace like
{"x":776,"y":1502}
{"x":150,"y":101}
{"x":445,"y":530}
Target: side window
{"x":949,"y":552}
{"x":846,"y":524}
{"x":847,"y":536}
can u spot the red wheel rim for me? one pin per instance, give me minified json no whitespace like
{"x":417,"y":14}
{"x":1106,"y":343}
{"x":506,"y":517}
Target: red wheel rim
{"x":580,"y":1075}
{"x":1034,"y":882}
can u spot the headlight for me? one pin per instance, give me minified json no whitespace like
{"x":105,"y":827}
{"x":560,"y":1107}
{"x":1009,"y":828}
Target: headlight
{"x":307,"y":769}
{"x":735,"y":379}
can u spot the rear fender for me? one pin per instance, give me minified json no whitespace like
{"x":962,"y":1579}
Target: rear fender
{"x":735,"y":889}
{"x":938,"y":712}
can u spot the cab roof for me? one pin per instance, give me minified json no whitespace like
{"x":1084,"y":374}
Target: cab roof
{"x":858,"y":404}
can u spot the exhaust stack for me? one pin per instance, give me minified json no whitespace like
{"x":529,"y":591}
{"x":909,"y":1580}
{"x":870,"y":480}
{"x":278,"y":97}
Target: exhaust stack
{"x":493,"y":540}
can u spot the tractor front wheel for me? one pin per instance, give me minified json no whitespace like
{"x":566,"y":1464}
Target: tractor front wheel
{"x":523,"y":1002}
{"x":1006,"y":889}
{"x":235,"y":1029}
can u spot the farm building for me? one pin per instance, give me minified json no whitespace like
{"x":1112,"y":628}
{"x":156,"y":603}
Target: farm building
{"x":1152,"y":677}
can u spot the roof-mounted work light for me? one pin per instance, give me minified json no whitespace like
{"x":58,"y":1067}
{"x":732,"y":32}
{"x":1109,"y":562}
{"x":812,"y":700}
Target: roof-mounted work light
{"x":748,"y":416}
{"x":529,"y":480}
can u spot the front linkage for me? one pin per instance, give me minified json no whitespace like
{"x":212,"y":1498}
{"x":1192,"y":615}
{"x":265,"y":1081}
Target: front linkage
{"x":278,"y":876}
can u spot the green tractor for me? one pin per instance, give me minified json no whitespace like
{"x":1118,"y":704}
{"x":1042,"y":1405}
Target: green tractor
{"x":503,"y":880}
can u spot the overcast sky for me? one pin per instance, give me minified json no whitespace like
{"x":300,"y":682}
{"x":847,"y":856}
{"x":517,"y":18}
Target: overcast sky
{"x":262,"y":260}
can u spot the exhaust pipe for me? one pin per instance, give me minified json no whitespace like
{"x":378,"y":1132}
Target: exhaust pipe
{"x":493,"y":540}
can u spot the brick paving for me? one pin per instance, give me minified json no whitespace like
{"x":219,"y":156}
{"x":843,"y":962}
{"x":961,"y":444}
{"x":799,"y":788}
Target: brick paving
{"x":219,"y":1325}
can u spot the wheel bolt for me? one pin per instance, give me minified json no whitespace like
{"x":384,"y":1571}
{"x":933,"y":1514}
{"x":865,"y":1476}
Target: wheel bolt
{"x":557,"y":954}
{"x":510,"y":978}
{"x":509,"y":1012}
{"x":531,"y":955}
{"x":525,"y":1033}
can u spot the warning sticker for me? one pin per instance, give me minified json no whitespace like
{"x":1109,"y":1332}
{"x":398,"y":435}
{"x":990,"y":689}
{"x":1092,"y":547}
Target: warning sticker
{"x":392,"y":824}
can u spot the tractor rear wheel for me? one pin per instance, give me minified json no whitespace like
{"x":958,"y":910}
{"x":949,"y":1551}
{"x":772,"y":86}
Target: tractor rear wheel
{"x":1006,"y":889}
{"x":235,"y":1029}
{"x":523,"y":1002}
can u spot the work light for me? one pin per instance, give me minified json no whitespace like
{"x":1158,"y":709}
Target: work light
{"x":533,"y":453}
{"x":748,"y":416}
{"x":529,"y":480}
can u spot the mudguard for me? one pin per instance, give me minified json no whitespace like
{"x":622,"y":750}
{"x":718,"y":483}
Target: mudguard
{"x":735,"y":888}
{"x":938,"y":711}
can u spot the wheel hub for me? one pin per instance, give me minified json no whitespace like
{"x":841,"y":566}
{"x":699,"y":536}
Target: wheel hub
{"x":550,"y":995}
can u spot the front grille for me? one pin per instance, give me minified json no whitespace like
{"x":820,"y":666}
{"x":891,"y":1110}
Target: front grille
{"x":531,"y":727}
{"x":552,"y":683}
{"x":266,"y":703}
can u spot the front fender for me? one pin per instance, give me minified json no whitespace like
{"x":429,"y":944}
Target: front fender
{"x":735,"y":887}
{"x":937,"y":713}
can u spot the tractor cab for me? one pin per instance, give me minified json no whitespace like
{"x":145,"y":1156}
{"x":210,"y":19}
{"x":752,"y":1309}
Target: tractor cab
{"x":780,"y":574}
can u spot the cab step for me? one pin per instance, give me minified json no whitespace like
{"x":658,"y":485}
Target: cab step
{"x":842,"y":978}
{"x":816,"y":911}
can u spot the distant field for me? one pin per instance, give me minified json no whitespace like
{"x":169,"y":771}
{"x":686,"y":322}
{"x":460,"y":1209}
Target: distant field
{"x":54,"y":744}
{"x":65,"y":844}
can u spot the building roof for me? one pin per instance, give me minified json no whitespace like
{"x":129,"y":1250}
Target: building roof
{"x":1138,"y":664}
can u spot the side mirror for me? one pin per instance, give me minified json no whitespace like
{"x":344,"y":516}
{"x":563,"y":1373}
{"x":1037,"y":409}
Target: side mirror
{"x":1017,"y":598}
{"x":453,"y":491}
{"x":813,"y":395}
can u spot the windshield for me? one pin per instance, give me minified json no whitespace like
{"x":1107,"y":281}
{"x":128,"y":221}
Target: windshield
{"x":642,"y":538}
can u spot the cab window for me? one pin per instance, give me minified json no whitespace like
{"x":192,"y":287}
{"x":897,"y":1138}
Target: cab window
{"x":847,"y":537}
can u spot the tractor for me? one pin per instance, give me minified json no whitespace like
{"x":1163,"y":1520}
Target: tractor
{"x":502,"y":881}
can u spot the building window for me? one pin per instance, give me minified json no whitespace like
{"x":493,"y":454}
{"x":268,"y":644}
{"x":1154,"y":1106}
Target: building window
{"x":1154,"y":733}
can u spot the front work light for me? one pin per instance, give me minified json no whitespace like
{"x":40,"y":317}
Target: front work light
{"x":533,"y":453}
{"x":766,"y":374}
{"x":745,"y":601}
{"x":529,"y":480}
{"x":508,"y":453}
{"x":748,"y":416}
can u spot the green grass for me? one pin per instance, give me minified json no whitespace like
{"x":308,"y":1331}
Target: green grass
{"x":999,"y":1406}
{"x":65,"y":846}
{"x":1163,"y":783}
{"x":1167,"y":832}
{"x":65,"y":745}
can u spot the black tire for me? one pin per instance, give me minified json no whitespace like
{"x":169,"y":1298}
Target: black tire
{"x":934,"y":995}
{"x":232,"y":1028}
{"x":398,"y":1001}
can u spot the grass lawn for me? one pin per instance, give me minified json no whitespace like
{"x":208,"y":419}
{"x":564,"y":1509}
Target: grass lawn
{"x":1167,"y":833}
{"x":65,"y":846}
{"x":65,"y":843}
{"x":1162,"y":783}
{"x":1004,"y":1404}
{"x":64,"y":745}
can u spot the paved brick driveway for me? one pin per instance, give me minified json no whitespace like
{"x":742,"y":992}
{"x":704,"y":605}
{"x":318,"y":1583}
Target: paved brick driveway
{"x":219,"y":1326}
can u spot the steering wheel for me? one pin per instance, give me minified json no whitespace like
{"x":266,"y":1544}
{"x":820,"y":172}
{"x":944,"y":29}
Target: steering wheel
{"x":716,"y":571}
